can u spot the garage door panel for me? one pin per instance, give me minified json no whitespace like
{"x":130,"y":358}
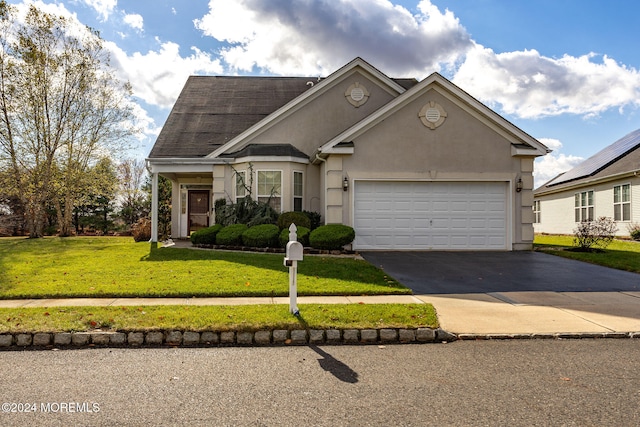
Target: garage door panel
{"x":430,"y":215}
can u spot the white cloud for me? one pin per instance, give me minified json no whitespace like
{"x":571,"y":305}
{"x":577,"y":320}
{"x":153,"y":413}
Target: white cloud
{"x":157,"y":77}
{"x":315,"y":37}
{"x":103,"y":7}
{"x":529,"y":85}
{"x":552,"y":164}
{"x":134,"y":20}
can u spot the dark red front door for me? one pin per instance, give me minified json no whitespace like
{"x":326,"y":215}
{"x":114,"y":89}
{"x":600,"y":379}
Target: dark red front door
{"x":198,"y":210}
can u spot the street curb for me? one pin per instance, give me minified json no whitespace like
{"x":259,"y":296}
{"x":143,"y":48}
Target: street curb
{"x":548,"y":336}
{"x":268,"y":338}
{"x":264,"y":338}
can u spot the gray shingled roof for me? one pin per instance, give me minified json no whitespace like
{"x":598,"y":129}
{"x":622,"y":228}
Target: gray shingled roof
{"x":212,"y":110}
{"x":280,"y":150}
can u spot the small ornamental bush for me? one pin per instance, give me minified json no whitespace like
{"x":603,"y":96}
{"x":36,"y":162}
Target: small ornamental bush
{"x":141,"y":230}
{"x":303,"y":236}
{"x":634,"y":231}
{"x":206,"y":236}
{"x":298,"y":218}
{"x":231,"y":235}
{"x":315,"y":218}
{"x":261,"y":236}
{"x":591,"y":234}
{"x":331,"y":236}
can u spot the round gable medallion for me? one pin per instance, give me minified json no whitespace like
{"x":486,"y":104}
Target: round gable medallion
{"x":432,"y":115}
{"x":357,"y":94}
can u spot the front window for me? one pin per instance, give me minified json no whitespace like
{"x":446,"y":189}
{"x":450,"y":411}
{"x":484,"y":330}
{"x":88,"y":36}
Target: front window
{"x":241,"y":185}
{"x":584,"y":206}
{"x":622,"y":202}
{"x":297,"y":191}
{"x":270,"y":188}
{"x":536,"y":212}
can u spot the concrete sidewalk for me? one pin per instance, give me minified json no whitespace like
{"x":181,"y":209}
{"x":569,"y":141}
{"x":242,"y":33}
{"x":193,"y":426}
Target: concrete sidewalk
{"x":538,"y":313}
{"x":470,"y":315}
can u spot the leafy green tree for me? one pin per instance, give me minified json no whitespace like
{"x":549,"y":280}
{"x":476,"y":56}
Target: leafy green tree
{"x":61,"y":109}
{"x":96,"y":206}
{"x":164,"y":204}
{"x":131,"y":174}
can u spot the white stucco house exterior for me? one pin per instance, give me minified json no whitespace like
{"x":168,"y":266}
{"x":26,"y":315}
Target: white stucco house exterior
{"x":607,"y":184}
{"x":408,"y":164}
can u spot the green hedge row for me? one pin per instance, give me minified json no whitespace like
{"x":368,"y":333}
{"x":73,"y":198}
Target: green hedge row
{"x":332,"y":236}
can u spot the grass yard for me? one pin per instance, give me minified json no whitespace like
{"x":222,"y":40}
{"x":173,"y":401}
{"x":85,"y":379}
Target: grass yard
{"x":217,"y":318}
{"x":118,"y":267}
{"x":620,"y":254}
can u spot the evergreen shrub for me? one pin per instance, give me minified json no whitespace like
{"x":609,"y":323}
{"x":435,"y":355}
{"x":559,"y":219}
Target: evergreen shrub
{"x":331,"y":236}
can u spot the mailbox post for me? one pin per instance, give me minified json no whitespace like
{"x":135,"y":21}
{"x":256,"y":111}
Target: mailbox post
{"x":294,"y":253}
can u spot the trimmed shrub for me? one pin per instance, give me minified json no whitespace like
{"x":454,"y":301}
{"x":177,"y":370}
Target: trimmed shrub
{"x":206,"y":236}
{"x":331,"y":236}
{"x":261,"y":236}
{"x":298,"y":218}
{"x":231,"y":235}
{"x":303,"y":236}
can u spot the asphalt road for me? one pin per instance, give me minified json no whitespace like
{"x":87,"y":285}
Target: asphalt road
{"x":492,"y":383}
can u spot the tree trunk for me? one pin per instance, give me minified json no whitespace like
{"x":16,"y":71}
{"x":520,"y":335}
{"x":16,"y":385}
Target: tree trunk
{"x":34,"y":214}
{"x":65,"y":216}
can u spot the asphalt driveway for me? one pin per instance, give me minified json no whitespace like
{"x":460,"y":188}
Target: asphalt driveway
{"x":486,"y":272}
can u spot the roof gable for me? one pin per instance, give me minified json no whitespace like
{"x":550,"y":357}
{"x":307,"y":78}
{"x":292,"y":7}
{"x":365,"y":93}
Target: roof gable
{"x":394,"y":87}
{"x":522,"y":143}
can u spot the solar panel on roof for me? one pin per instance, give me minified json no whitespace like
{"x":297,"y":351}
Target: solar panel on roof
{"x":601,"y":159}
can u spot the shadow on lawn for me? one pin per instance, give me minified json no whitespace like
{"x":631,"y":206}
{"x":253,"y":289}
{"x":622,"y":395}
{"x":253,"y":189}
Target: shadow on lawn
{"x":313,"y":266}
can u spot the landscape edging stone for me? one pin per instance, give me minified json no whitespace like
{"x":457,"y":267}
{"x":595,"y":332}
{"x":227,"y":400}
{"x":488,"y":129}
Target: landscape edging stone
{"x":277,"y":337}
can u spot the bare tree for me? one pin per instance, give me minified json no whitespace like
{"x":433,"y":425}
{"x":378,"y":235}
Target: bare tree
{"x":61,"y":109}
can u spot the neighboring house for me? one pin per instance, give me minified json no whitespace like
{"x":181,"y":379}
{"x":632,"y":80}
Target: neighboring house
{"x":408,"y":164}
{"x":605,"y":185}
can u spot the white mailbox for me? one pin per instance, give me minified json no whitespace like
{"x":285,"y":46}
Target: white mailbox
{"x":295,"y":251}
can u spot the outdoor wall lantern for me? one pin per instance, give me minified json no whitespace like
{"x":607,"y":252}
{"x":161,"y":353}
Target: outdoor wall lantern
{"x":519,"y":185}
{"x":345,"y":184}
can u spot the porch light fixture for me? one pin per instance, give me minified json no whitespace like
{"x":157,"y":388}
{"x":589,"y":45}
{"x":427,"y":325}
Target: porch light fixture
{"x":519,"y":185}
{"x":345,"y":184}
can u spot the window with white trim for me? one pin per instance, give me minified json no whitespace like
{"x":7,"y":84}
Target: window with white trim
{"x":298,"y":188}
{"x":270,"y":188}
{"x":536,"y":212}
{"x":584,"y":210}
{"x":622,"y":202}
{"x":241,"y":185}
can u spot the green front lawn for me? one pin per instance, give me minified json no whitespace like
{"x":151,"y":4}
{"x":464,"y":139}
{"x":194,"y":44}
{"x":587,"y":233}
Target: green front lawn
{"x":119,"y":267}
{"x":620,"y":254}
{"x":217,"y":318}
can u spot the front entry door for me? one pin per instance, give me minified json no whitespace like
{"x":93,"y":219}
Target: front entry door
{"x":198,"y":210}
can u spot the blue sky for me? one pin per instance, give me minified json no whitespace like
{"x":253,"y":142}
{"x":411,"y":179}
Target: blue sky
{"x":565,"y":71}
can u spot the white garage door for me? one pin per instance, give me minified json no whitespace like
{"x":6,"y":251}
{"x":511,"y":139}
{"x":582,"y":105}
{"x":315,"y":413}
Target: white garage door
{"x":430,"y":215}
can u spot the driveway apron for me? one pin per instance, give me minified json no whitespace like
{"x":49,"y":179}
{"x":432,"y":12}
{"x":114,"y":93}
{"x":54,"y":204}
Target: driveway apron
{"x":485,"y":272}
